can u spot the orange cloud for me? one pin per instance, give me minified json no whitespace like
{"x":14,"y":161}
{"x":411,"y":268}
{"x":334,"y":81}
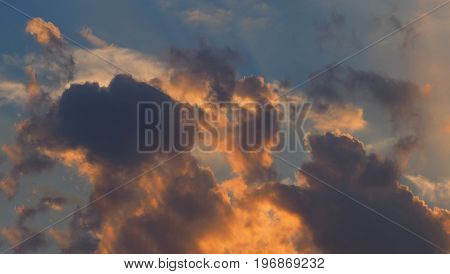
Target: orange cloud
{"x":446,"y":127}
{"x":32,"y":86}
{"x":75,"y":158}
{"x":346,"y":118}
{"x":43,"y":32}
{"x":426,"y":89}
{"x":256,"y":225}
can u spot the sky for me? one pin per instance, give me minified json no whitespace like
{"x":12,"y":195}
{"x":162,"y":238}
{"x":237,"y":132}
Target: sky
{"x":373,"y":176}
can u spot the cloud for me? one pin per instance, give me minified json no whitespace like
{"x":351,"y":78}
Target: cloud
{"x":207,"y":71}
{"x":24,"y":157}
{"x":45,"y":33}
{"x":254,"y":163}
{"x":180,"y":207}
{"x":208,"y":16}
{"x":257,"y":225}
{"x":436,"y":193}
{"x":57,"y":60}
{"x":88,"y":34}
{"x":88,"y":69}
{"x":207,"y":75}
{"x":25,"y":160}
{"x":11,"y":91}
{"x":329,"y":31}
{"x":16,"y":235}
{"x":54,"y":203}
{"x":177,"y":208}
{"x":445,"y":127}
{"x":188,"y":199}
{"x":344,"y":117}
{"x":401,"y":99}
{"x":338,"y":224}
{"x":410,"y":34}
{"x":250,"y":24}
{"x":78,"y":238}
{"x":21,"y":231}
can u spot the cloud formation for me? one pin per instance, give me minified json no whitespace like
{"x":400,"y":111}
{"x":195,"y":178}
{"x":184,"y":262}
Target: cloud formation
{"x":57,"y":59}
{"x":401,"y":99}
{"x":179,"y":206}
{"x":436,"y":193}
{"x":89,"y":35}
{"x":340,"y":225}
{"x":208,"y":16}
{"x":45,"y":33}
{"x":21,"y":231}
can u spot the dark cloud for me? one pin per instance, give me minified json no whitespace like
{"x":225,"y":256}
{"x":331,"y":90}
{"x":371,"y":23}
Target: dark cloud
{"x":338,"y":224}
{"x":213,"y":69}
{"x":189,"y":209}
{"x":172,"y":208}
{"x":101,"y":122}
{"x":402,"y":100}
{"x":206,"y":67}
{"x":253,"y":88}
{"x":106,"y":126}
{"x":257,"y":130}
{"x":397,"y":96}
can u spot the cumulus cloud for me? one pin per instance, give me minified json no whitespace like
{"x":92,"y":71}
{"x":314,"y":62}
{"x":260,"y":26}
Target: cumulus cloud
{"x":116,"y":159}
{"x":436,"y":193}
{"x":401,"y":99}
{"x":208,"y":75}
{"x":338,"y":224}
{"x":180,"y":206}
{"x":88,"y":69}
